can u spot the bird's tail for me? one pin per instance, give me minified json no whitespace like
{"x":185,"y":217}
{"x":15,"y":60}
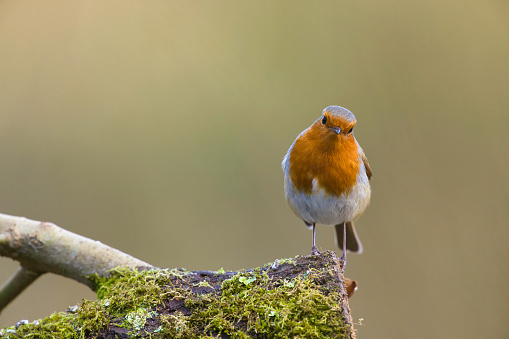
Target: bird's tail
{"x":353,"y":244}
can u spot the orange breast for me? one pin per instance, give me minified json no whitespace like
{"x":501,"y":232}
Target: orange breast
{"x":329,"y":158}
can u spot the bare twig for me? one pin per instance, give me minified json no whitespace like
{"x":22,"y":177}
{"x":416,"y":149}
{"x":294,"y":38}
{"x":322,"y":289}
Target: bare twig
{"x":20,"y":280}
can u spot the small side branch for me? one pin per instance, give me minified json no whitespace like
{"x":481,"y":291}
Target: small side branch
{"x":20,"y":280}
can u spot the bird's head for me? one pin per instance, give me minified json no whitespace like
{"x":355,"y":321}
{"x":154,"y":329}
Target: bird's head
{"x":337,"y":120}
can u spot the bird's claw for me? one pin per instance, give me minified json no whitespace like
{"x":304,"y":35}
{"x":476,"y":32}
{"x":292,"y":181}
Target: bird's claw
{"x":315,"y":251}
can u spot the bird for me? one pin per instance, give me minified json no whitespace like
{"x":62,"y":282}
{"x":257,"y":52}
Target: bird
{"x":327,"y":177}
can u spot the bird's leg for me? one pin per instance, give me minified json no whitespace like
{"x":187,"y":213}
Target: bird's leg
{"x":343,"y":256}
{"x":314,"y":250}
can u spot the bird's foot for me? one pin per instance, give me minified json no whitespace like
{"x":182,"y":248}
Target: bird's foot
{"x":315,"y":251}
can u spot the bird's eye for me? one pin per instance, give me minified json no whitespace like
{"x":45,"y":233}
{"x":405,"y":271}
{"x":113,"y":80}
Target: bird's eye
{"x":350,"y":130}
{"x":324,"y":120}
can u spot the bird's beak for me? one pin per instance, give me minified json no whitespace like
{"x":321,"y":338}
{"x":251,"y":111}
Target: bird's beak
{"x":336,"y":130}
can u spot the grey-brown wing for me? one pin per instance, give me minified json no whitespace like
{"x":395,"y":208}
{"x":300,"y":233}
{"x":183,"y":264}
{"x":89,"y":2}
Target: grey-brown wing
{"x":366,"y":164}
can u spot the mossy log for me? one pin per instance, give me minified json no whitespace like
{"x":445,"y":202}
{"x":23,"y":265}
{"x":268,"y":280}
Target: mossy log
{"x":303,"y":297}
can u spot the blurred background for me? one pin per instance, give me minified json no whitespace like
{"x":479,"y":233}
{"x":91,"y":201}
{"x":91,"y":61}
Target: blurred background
{"x":159,"y":128}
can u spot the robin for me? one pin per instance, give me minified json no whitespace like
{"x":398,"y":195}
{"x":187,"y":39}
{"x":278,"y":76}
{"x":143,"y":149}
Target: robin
{"x":327,"y":177}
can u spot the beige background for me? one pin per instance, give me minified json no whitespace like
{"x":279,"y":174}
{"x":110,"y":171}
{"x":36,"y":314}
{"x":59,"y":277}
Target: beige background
{"x":159,"y":128}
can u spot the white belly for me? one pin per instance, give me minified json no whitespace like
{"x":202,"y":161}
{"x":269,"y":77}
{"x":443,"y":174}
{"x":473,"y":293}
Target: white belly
{"x":322,"y":208}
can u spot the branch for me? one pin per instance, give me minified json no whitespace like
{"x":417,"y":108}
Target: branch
{"x":42,"y":247}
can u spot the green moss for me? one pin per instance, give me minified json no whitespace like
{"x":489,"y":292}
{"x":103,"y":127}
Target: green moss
{"x":175,"y":326}
{"x":56,"y":325}
{"x":123,"y":295}
{"x":128,"y":290}
{"x":89,"y":318}
{"x":249,"y":303}
{"x":286,"y":309}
